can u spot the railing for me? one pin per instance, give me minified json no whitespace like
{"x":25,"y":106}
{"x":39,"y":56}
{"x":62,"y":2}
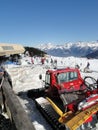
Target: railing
{"x":15,"y":108}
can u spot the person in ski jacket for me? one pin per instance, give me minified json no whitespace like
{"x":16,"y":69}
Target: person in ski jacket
{"x":88,"y":64}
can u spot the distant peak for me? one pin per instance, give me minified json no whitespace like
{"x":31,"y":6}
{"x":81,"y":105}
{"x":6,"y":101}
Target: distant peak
{"x":79,"y":48}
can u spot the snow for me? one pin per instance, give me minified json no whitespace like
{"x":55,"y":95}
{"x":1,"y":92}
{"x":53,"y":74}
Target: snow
{"x":26,"y":76}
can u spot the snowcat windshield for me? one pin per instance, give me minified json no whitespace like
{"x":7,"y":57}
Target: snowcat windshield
{"x":67,"y":76}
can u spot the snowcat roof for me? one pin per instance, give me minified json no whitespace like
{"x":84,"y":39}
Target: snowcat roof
{"x":8,"y":49}
{"x":68,"y":69}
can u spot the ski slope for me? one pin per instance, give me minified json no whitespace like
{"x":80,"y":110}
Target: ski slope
{"x":26,"y":76}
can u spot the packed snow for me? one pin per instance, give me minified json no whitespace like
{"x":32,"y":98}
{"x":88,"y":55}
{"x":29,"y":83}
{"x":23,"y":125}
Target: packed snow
{"x":26,"y":76}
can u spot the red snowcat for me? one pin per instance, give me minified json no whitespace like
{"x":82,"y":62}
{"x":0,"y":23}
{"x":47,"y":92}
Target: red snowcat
{"x":67,"y":100}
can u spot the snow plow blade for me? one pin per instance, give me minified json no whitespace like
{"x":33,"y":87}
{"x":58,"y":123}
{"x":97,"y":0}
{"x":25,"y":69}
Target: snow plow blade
{"x":81,"y":117}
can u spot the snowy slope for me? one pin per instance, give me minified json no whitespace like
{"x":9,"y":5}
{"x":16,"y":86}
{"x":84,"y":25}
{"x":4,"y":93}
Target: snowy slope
{"x":70,"y":49}
{"x":26,"y":77}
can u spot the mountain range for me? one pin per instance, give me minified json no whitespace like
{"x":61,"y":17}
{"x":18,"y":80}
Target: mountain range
{"x":78,"y":49}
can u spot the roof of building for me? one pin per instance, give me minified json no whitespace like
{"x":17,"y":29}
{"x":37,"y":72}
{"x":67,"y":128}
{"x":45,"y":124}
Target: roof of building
{"x":8,"y":49}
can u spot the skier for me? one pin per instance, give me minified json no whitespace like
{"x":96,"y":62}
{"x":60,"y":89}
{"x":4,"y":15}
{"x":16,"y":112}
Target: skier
{"x":86,"y":69}
{"x":88,"y":64}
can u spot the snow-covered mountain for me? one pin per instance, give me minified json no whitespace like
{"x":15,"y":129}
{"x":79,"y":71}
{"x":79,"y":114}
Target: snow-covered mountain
{"x":70,"y":49}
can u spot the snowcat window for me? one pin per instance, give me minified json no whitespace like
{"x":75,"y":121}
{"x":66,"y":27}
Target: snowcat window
{"x":47,"y":79}
{"x":68,"y":76}
{"x":73,"y":75}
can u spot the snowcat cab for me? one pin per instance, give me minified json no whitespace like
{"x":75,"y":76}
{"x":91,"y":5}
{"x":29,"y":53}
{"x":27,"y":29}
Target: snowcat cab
{"x":68,"y":79}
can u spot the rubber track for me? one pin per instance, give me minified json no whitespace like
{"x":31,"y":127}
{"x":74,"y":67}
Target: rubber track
{"x":50,"y":115}
{"x":5,"y":124}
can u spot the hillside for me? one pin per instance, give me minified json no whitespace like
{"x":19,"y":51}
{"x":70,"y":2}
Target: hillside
{"x":93,"y":55}
{"x":34,"y":51}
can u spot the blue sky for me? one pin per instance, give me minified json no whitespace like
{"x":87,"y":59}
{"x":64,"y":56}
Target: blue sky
{"x":33,"y":22}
